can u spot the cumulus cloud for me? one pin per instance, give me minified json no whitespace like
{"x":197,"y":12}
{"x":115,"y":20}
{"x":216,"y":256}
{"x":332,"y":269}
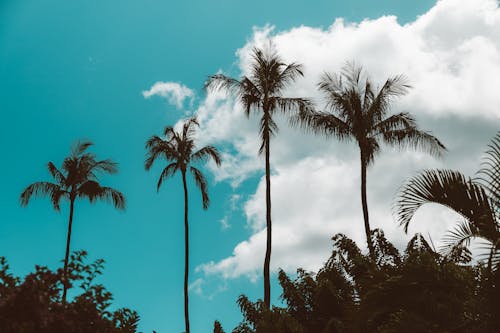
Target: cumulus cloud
{"x":451,"y":55}
{"x":175,"y":93}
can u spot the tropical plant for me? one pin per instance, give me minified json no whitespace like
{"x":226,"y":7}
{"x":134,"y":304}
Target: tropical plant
{"x":357,"y":111}
{"x":32,"y":304}
{"x":476,"y":200}
{"x":417,"y":290}
{"x":76,"y":179}
{"x":262,"y":91}
{"x":178,"y":148}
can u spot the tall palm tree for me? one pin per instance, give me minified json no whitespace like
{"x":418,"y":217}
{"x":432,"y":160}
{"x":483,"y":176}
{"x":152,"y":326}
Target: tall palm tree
{"x":262,"y":91}
{"x":476,"y":200}
{"x":76,"y":179}
{"x":356,"y":111}
{"x":178,"y":148}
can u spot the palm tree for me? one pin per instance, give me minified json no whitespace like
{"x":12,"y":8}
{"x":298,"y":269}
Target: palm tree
{"x":356,"y":111}
{"x":178,"y":148}
{"x":76,"y":179}
{"x":476,"y":200}
{"x":263,"y":91}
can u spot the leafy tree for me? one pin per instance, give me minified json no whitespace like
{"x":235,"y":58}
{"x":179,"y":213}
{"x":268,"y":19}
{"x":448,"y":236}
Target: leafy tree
{"x":178,"y":148}
{"x":76,"y":179}
{"x":476,"y":200}
{"x":418,"y":290}
{"x":357,"y":111}
{"x":31,"y":305}
{"x":262,"y":91}
{"x":259,"y":319}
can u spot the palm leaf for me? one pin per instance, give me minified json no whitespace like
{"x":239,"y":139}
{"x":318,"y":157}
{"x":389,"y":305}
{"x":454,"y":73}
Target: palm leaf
{"x":395,"y":86}
{"x":54,"y":191}
{"x":80,"y":147}
{"x":413,"y":138}
{"x":201,"y":182}
{"x":489,"y":174}
{"x":448,"y":188}
{"x":56,"y":174}
{"x":207,"y":152}
{"x":167,"y":172}
{"x":93,"y":191}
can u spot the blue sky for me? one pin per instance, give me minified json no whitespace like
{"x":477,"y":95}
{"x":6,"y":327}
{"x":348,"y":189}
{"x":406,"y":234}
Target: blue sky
{"x":75,"y":69}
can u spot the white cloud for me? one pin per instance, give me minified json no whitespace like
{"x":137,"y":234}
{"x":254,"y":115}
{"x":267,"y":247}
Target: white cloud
{"x":175,"y":93}
{"x":196,"y":286}
{"x":224,"y":223}
{"x":451,"y":55}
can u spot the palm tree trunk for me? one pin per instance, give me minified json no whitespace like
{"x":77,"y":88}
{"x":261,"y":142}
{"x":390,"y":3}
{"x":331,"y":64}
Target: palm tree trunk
{"x":66,"y":257}
{"x":186,"y":253}
{"x":364,"y":203}
{"x":267,"y":260}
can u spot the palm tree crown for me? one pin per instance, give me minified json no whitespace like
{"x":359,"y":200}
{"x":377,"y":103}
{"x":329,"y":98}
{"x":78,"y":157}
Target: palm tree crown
{"x":178,"y":148}
{"x":263,"y":91}
{"x":77,"y":178}
{"x":357,"y":111}
{"x":476,"y":200}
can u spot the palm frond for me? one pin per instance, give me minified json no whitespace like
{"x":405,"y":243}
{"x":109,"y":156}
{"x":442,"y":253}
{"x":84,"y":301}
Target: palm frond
{"x":106,"y":166}
{"x":93,"y":191}
{"x":352,"y":73}
{"x":416,"y":139}
{"x":399,"y":121}
{"x":56,"y":196}
{"x":56,"y":174}
{"x":289,"y":74}
{"x":458,"y":239}
{"x":322,"y":123}
{"x":393,"y":87}
{"x":286,"y":104}
{"x":80,"y":147}
{"x":249,"y":95}
{"x":41,"y":189}
{"x":489,"y":174}
{"x":337,"y":95}
{"x":448,"y":188}
{"x":157,"y":147}
{"x":223,"y":82}
{"x":70,"y":166}
{"x":201,"y":182}
{"x":189,"y":127}
{"x":207,"y":152}
{"x":167,"y":172}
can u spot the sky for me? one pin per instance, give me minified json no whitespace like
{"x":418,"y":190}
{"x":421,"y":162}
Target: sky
{"x":116,"y":72}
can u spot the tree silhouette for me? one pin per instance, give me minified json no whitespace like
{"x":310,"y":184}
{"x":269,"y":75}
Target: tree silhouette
{"x":476,"y":200}
{"x":262,"y":91}
{"x":32,"y":304}
{"x":178,"y":148}
{"x":218,"y":327}
{"x":356,"y":111}
{"x":418,"y":290}
{"x":76,"y":179}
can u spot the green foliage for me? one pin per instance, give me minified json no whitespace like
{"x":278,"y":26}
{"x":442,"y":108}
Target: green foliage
{"x":31,"y":305}
{"x":418,"y":290}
